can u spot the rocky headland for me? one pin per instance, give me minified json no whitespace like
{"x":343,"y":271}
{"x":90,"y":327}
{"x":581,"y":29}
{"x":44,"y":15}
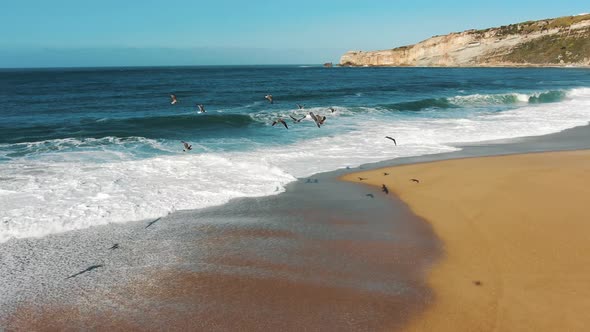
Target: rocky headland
{"x":563,"y":41}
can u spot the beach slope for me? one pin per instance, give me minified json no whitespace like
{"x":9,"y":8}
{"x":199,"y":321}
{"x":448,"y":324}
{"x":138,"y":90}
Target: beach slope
{"x":516,"y":233}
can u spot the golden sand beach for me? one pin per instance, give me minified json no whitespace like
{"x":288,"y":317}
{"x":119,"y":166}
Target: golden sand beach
{"x":516,"y":234}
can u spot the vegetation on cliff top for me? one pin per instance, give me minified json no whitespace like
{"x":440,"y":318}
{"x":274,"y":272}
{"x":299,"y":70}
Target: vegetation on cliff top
{"x":536,"y":26}
{"x":525,"y":27}
{"x":542,"y":42}
{"x":562,"y":48}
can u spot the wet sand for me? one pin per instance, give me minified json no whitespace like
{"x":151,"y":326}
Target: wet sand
{"x":516,"y":239}
{"x":321,"y":256}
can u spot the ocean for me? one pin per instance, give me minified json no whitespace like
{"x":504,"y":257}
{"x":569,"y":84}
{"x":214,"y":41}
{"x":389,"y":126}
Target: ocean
{"x":91,"y":146}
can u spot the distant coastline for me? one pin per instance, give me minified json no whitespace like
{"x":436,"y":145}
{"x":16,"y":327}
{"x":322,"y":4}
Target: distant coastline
{"x":559,"y":42}
{"x":512,"y":65}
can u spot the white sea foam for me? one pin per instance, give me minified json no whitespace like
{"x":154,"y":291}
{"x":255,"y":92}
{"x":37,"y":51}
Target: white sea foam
{"x":487,"y":99}
{"x":39,"y":197}
{"x":44,"y":195}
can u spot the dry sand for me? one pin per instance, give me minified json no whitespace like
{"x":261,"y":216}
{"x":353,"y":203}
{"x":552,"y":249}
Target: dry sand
{"x":516,"y":233}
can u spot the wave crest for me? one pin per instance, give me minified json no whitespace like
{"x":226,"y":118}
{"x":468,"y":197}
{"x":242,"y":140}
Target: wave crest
{"x":479,"y":100}
{"x":150,"y":127}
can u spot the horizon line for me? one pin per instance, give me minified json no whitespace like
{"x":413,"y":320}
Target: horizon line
{"x":165,"y":66}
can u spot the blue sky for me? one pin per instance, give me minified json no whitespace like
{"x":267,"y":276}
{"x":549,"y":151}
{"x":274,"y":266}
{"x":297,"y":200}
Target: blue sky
{"x":181,"y":32}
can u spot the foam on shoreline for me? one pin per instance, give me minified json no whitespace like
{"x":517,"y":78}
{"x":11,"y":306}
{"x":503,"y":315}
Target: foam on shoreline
{"x":55,"y":191}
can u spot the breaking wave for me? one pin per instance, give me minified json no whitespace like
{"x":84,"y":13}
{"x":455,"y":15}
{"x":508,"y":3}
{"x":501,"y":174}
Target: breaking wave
{"x":40,"y":196}
{"x":150,"y":127}
{"x":478,"y":100}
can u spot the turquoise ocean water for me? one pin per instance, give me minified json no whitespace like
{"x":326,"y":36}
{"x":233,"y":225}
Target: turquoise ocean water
{"x":84,"y":147}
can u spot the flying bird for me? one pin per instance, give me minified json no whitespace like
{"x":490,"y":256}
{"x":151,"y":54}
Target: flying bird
{"x":173,"y":99}
{"x":391,"y":138}
{"x":301,"y":106}
{"x":384,"y":189}
{"x":295,"y":119}
{"x":115,"y":246}
{"x":269,"y":98}
{"x":153,"y":222}
{"x":84,"y":271}
{"x":415,"y":180}
{"x":279,"y":120}
{"x":186,"y":146}
{"x":201,"y":108}
{"x":315,"y":119}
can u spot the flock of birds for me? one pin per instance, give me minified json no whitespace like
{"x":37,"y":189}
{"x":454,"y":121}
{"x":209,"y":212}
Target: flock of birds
{"x":319,"y":120}
{"x":384,"y":187}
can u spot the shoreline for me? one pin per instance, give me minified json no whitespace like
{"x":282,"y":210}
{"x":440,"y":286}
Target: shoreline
{"x":504,"y":256}
{"x":318,"y":255}
{"x":268,"y":238}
